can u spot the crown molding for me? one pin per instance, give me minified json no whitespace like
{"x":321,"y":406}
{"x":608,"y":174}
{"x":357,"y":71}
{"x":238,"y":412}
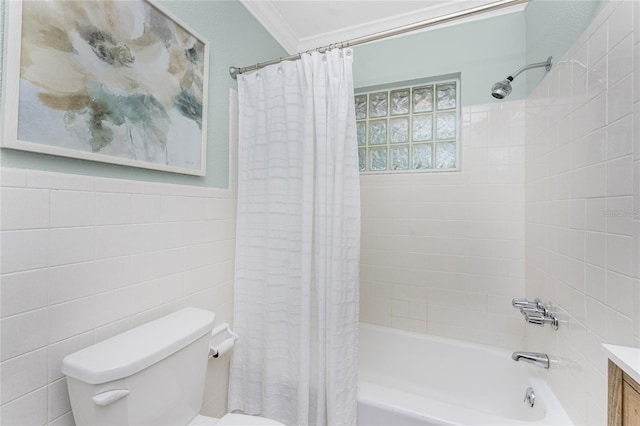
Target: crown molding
{"x":269,"y":17}
{"x":401,"y":20}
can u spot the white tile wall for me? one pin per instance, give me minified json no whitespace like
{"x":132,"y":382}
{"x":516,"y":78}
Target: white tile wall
{"x":84,"y":258}
{"x":584,"y":258}
{"x":443,"y":253}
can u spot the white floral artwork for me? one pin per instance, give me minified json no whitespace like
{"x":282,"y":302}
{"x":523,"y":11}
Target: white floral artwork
{"x":112,"y":81}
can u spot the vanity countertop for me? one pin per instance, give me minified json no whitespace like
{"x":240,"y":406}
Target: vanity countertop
{"x":628,"y":359}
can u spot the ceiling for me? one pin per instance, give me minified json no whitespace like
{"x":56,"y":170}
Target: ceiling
{"x":301,"y":25}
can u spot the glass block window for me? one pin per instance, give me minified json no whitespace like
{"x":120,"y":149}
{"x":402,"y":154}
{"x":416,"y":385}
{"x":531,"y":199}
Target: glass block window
{"x":409,"y":129}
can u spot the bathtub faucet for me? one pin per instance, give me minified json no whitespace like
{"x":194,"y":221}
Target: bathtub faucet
{"x":539,"y":360}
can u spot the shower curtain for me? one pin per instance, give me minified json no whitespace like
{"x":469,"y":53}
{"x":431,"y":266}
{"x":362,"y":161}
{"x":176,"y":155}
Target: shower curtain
{"x":298,"y":243}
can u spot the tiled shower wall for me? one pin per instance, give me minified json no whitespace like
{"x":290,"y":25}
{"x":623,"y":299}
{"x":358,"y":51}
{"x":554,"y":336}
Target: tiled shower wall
{"x":443,"y":253}
{"x":84,"y":258}
{"x":583,"y":207}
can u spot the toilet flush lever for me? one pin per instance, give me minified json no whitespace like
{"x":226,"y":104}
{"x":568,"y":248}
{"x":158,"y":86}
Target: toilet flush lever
{"x":109,"y":397}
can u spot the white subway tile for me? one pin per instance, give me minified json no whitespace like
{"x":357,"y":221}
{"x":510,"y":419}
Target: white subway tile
{"x":596,"y":113}
{"x":113,"y":273}
{"x":636,"y":131}
{"x":71,"y":245}
{"x":72,"y":208}
{"x":59,"y":350}
{"x":636,"y":69}
{"x":417,"y":325}
{"x":620,"y":60}
{"x":598,"y":43}
{"x":86,"y":293}
{"x":620,"y":138}
{"x":23,"y":291}
{"x":13,"y":177}
{"x":27,"y":410}
{"x":620,"y":177}
{"x":194,"y":208}
{"x":595,"y":146}
{"x":112,"y":306}
{"x":148,"y":266}
{"x":70,"y":282}
{"x":636,"y":190}
{"x":71,"y":318}
{"x":636,"y":21}
{"x":121,"y":185}
{"x":620,"y":99}
{"x":620,"y":254}
{"x":112,"y":329}
{"x":400,"y":308}
{"x":65,"y":420}
{"x":212,"y":208}
{"x":58,"y":399}
{"x":24,"y":208}
{"x":23,"y":374}
{"x":620,"y":291}
{"x":620,"y":23}
{"x":113,"y":241}
{"x":61,"y":181}
{"x":200,"y":279}
{"x":418,"y":311}
{"x":23,"y":333}
{"x":597,"y":78}
{"x":113,"y":209}
{"x":146,"y":208}
{"x":619,"y":215}
{"x":619,"y":329}
{"x":23,"y":250}
{"x":172,"y":208}
{"x":596,"y":249}
{"x":596,"y":283}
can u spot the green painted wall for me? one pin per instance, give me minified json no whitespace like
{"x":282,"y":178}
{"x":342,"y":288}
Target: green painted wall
{"x":483,"y":51}
{"x":552,"y":26}
{"x":235,"y":38}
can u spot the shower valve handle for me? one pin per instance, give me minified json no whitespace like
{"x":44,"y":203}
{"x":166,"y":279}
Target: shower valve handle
{"x":541,"y":320}
{"x":521,"y":302}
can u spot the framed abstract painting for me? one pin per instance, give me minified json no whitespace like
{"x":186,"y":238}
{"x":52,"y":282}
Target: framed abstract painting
{"x":114,"y":81}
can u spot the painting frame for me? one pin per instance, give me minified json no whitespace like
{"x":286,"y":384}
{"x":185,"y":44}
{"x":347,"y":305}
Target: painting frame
{"x":173,"y":143}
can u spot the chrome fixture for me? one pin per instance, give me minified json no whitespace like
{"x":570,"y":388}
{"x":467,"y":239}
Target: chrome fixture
{"x":530,"y":397}
{"x":541,"y":320}
{"x":502,"y":89}
{"x":537,"y":359}
{"x":536,"y":312}
{"x":524,"y":303}
{"x":439,"y":20}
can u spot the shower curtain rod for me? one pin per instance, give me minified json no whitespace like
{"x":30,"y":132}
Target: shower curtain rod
{"x":234,"y":71}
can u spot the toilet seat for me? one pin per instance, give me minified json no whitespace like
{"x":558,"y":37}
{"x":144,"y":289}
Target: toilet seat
{"x":233,"y":419}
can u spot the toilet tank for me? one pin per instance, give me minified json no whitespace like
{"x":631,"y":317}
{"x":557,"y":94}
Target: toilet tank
{"x":150,"y":375}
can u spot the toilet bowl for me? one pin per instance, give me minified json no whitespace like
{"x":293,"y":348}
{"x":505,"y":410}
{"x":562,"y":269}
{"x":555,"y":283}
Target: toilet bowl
{"x":153,"y":374}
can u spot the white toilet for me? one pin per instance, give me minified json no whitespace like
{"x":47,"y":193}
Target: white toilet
{"x":151,"y":375}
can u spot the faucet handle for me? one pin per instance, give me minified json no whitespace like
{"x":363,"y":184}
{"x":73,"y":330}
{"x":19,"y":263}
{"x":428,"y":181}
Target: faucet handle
{"x":541,"y":320}
{"x":522,"y":302}
{"x":538,"y":310}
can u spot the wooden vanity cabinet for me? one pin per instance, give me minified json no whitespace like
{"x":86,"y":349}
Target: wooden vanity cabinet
{"x":624,"y":398}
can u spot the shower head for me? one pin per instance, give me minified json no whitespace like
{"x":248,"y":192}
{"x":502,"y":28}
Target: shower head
{"x":502,"y":89}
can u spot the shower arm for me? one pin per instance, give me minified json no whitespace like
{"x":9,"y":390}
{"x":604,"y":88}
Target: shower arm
{"x":546,"y":65}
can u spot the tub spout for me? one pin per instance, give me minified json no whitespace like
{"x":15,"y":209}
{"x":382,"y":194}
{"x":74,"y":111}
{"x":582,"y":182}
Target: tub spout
{"x":537,"y":359}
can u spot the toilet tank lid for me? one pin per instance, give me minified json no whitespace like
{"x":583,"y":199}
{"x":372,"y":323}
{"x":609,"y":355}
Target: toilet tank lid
{"x":136,"y":349}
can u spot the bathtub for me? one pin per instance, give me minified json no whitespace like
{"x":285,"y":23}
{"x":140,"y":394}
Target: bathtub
{"x":413,"y":379}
